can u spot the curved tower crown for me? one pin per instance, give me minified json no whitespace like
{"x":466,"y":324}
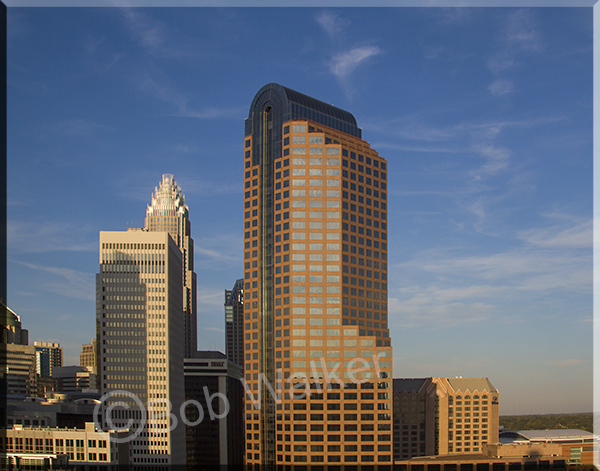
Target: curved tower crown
{"x":167,"y":199}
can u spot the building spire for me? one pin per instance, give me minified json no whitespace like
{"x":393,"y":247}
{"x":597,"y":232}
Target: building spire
{"x":167,"y":199}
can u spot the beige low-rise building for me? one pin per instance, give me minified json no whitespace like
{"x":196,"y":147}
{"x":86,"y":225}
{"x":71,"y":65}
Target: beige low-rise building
{"x":438,"y":416}
{"x":493,"y":457}
{"x":84,"y":448}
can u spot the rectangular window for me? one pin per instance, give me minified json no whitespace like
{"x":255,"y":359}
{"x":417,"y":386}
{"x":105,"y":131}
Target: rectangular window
{"x":299,"y":128}
{"x":298,"y":140}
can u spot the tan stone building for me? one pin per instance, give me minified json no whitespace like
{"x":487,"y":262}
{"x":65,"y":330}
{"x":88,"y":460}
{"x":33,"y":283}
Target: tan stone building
{"x":140,"y":330}
{"x":169,"y":213}
{"x":315,"y":286}
{"x":438,"y":416}
{"x":84,"y":449}
{"x":89,"y":356}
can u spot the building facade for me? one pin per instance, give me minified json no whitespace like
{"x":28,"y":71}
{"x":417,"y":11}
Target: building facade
{"x":315,"y":287}
{"x":75,"y":379}
{"x":10,"y":327}
{"x":439,"y":416}
{"x":216,"y":437}
{"x":169,"y":213}
{"x":48,"y":355}
{"x":234,"y":323}
{"x":84,"y":449}
{"x":140,"y":327}
{"x":19,"y":373}
{"x":89,"y":356}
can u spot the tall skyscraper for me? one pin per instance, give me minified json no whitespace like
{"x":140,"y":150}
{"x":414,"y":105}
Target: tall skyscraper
{"x":48,"y":355}
{"x":140,"y":327}
{"x":234,"y":323}
{"x":315,"y":286}
{"x":169,"y":213}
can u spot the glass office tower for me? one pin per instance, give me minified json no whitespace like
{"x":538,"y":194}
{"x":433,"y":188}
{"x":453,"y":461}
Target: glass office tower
{"x":315,"y":286}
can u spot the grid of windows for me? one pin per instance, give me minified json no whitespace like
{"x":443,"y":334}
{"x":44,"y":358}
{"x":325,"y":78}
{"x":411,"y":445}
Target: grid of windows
{"x":328,"y":296}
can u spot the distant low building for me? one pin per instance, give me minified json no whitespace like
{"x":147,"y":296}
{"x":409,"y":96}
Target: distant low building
{"x":493,"y":457}
{"x":75,"y":378}
{"x":578,"y":446}
{"x":70,"y":410}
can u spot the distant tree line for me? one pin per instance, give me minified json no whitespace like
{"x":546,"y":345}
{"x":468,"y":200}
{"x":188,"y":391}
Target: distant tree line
{"x":548,"y":422}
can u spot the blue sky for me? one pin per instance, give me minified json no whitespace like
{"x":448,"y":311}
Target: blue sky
{"x":484,"y":115}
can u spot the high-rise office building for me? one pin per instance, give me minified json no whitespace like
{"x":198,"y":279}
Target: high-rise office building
{"x":48,"y":355}
{"x":234,"y":323}
{"x":315,"y":286}
{"x":169,"y":213}
{"x":140,"y":327}
{"x":438,"y":416}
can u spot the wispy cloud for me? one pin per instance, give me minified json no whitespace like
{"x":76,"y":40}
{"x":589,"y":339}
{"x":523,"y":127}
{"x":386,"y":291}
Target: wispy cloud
{"x":66,"y":282}
{"x":522,"y":32}
{"x":208,"y":299}
{"x":161,"y":90}
{"x":578,"y":236}
{"x":497,"y":159}
{"x":219,"y":249}
{"x":76,"y":127}
{"x":342,"y":64}
{"x":331,"y":23}
{"x":147,"y":31}
{"x":39,"y":237}
{"x":501,"y":87}
{"x":416,"y":313}
{"x":520,"y":37}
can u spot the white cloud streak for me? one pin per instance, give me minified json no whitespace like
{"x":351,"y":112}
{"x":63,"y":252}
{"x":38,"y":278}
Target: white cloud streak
{"x":344,"y":63}
{"x":501,"y":87}
{"x":66,"y":282}
{"x":39,"y":237}
{"x":331,"y":23}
